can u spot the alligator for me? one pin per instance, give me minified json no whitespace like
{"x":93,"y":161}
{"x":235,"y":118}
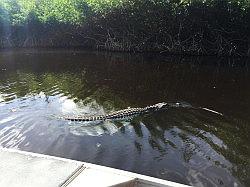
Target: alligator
{"x":121,"y":114}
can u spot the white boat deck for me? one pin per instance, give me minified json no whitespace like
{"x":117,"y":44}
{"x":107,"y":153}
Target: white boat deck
{"x":19,"y":168}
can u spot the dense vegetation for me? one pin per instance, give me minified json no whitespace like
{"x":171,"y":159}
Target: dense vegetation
{"x":176,"y":26}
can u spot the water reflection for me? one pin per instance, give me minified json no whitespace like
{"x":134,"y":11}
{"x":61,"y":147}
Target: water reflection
{"x":189,"y":145}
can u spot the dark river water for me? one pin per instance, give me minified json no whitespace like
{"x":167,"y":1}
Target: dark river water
{"x":207,"y":144}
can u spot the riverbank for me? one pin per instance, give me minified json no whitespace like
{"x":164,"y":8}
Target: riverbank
{"x":189,"y":28}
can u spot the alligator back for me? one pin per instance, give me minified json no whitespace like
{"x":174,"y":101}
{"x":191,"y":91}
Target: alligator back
{"x":125,"y":113}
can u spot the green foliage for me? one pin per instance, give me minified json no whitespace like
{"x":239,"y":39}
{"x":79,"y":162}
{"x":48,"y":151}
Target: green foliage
{"x":63,"y":11}
{"x":104,"y":6}
{"x":57,"y":10}
{"x":141,"y":24}
{"x":17,"y":11}
{"x":75,"y":11}
{"x":4,"y":15}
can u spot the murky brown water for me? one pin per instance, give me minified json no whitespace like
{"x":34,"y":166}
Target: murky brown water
{"x":186,"y":145}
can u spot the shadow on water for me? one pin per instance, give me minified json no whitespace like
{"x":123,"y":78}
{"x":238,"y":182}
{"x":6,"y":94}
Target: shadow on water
{"x":187,"y":145}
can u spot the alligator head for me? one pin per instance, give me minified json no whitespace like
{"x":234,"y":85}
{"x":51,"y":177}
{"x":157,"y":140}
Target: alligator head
{"x":157,"y":106}
{"x":161,"y":105}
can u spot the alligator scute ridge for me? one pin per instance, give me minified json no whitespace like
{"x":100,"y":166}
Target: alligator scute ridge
{"x":125,"y":113}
